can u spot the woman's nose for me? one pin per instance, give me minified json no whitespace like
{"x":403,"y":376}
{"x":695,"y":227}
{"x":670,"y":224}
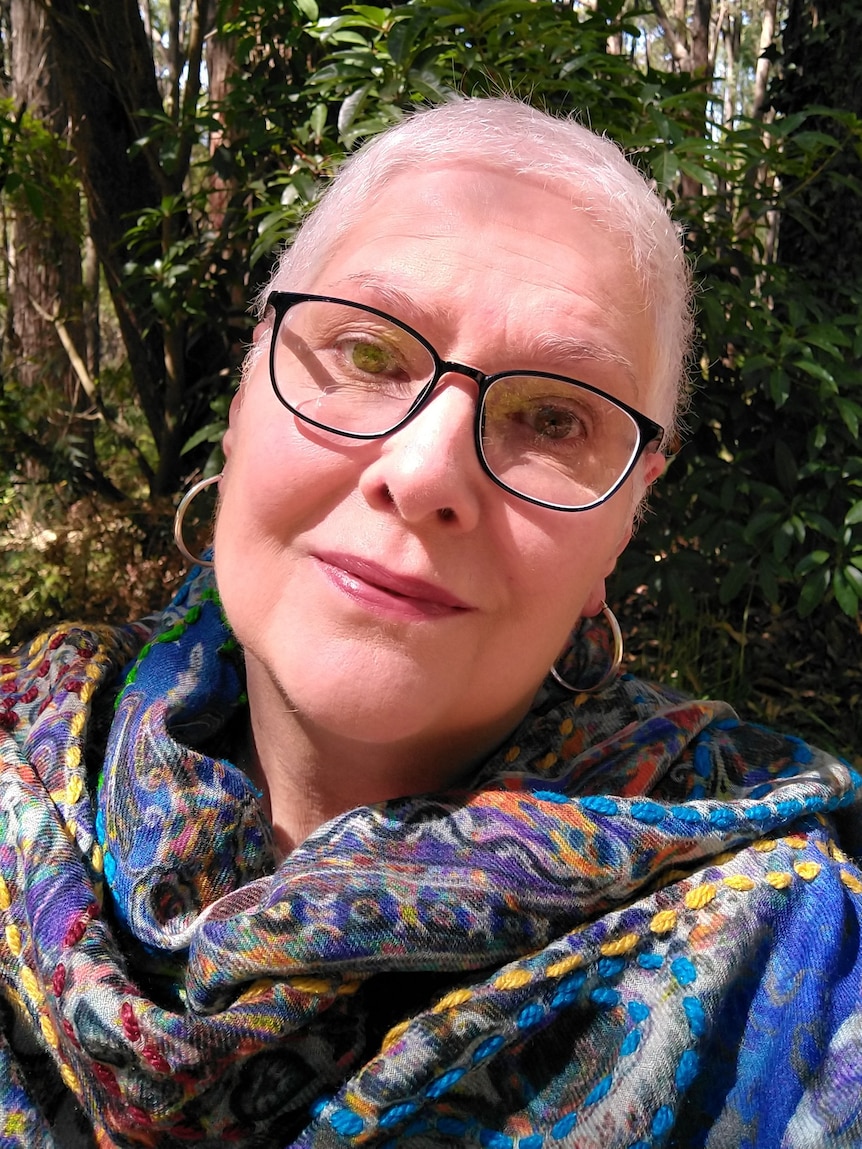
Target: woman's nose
{"x":429,"y":468}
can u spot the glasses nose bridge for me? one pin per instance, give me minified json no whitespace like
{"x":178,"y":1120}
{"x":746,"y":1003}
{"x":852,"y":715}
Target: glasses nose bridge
{"x":450,"y":367}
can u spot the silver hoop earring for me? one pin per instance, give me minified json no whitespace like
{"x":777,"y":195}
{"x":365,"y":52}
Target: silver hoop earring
{"x":179,"y":518}
{"x":616,"y":633}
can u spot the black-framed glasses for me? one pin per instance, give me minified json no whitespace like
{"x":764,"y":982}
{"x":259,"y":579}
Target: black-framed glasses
{"x":356,"y":371}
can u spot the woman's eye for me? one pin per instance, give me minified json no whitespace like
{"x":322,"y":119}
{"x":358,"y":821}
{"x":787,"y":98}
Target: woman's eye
{"x":370,"y":358}
{"x":556,"y":423}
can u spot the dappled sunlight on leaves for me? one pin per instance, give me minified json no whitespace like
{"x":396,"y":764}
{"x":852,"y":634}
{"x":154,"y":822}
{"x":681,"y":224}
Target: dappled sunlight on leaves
{"x":803,"y":676}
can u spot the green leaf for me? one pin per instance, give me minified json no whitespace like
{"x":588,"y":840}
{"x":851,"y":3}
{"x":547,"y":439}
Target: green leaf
{"x":782,"y":541}
{"x":766,"y":577}
{"x":820,"y":523}
{"x":779,"y":386}
{"x":317,"y":120}
{"x":211,"y":433}
{"x":810,"y":562}
{"x":736,"y":578}
{"x":850,"y":413}
{"x":35,"y":199}
{"x":665,"y":169}
{"x":813,"y":591}
{"x":818,"y":371}
{"x":697,"y":173}
{"x":349,"y":110}
{"x":845,"y":593}
{"x":400,"y":40}
{"x":761,"y":523}
{"x":854,"y":515}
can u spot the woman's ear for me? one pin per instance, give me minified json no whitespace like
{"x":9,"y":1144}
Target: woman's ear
{"x":596,"y":598}
{"x":233,"y":414}
{"x":255,"y":351}
{"x":655,"y":464}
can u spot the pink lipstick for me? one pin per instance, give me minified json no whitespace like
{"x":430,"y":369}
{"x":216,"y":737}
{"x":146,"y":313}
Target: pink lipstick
{"x":382,"y":590}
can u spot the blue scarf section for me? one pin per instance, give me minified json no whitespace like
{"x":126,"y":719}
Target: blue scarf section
{"x":635,"y":929}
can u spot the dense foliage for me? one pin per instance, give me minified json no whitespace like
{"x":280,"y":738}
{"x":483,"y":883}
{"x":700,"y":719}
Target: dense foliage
{"x":761,"y":510}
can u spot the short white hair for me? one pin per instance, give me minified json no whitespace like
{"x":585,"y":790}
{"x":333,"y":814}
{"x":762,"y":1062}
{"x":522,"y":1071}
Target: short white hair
{"x":505,"y":134}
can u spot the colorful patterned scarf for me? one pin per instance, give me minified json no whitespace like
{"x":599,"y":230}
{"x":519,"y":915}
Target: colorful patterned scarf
{"x":635,"y":929}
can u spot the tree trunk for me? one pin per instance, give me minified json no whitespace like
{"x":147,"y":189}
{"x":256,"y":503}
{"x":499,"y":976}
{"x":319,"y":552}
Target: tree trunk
{"x":45,"y":254}
{"x":106,"y":74}
{"x":761,"y":69}
{"x":687,"y":38}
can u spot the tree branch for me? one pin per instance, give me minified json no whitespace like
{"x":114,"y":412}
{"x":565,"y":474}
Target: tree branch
{"x":678,"y":48}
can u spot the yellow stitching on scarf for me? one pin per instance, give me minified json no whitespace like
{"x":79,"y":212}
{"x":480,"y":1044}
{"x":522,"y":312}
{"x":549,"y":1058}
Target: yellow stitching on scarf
{"x":5,"y":896}
{"x":514,"y":979}
{"x":700,"y":896}
{"x":851,"y":881}
{"x":566,"y":727}
{"x":48,"y":1031}
{"x":663,"y":922}
{"x":764,"y":846}
{"x":77,"y":723}
{"x":256,"y":990}
{"x":564,"y":966}
{"x":739,"y":882}
{"x":13,"y":940}
{"x":69,"y":1078}
{"x":361,"y":1105}
{"x":807,"y":870}
{"x":452,"y":1000}
{"x":31,"y":986}
{"x":74,"y":787}
{"x":393,"y":1035}
{"x":317,"y":985}
{"x":547,"y":762}
{"x":512,"y":753}
{"x":779,"y":879}
{"x":796,"y":841}
{"x":620,"y":946}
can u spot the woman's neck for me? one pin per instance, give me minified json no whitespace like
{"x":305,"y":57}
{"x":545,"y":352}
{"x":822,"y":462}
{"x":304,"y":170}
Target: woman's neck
{"x":309,"y":775}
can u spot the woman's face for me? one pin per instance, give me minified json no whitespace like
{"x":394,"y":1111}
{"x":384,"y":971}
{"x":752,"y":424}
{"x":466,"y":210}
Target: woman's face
{"x":389,"y":591}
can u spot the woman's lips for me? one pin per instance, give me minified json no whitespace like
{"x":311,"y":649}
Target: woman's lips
{"x":381,"y":589}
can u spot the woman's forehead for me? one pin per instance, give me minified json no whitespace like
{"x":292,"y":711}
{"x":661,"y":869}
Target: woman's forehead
{"x":492,"y":251}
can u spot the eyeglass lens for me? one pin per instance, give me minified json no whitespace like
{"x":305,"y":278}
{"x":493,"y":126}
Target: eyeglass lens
{"x":549,"y":439}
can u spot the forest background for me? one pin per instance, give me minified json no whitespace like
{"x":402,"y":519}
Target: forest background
{"x":154,"y":155}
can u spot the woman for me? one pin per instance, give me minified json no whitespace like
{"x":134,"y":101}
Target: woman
{"x":347,"y":864}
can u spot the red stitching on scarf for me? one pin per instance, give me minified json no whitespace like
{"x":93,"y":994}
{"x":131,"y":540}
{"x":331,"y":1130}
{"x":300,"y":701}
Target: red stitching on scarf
{"x":130,"y":1022}
{"x":107,"y":1078}
{"x":155,"y":1059}
{"x":58,"y":981}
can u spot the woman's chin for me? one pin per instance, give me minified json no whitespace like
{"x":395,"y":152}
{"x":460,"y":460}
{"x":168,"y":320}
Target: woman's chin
{"x":379,"y":696}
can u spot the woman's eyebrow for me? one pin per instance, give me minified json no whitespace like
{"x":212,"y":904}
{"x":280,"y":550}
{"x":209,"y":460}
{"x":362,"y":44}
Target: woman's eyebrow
{"x":563,"y":349}
{"x":551,"y":346}
{"x":386,"y":294}
{"x":399,"y":301}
